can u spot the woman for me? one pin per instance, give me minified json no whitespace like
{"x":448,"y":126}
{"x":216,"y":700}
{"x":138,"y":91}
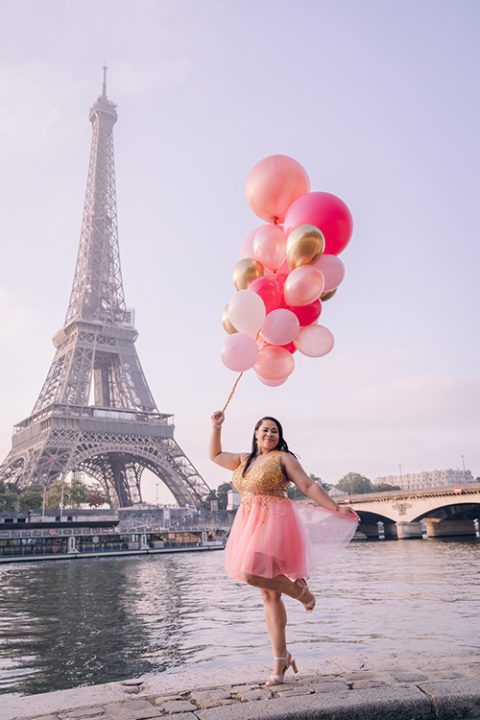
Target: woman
{"x":274,"y":543}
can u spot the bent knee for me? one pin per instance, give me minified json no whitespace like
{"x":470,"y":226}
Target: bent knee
{"x":254,"y":580}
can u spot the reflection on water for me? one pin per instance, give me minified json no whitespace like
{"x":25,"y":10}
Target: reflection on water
{"x":71,"y":623}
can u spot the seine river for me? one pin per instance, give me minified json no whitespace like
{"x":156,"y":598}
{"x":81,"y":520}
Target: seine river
{"x":70,"y":623}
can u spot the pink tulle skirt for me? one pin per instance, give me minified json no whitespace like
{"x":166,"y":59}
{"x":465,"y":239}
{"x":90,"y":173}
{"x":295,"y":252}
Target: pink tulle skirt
{"x":275,"y":536}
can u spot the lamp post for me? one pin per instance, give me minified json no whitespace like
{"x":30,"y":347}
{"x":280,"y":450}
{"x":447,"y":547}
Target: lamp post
{"x":401,"y":476}
{"x":156,"y":493}
{"x":464,"y":474}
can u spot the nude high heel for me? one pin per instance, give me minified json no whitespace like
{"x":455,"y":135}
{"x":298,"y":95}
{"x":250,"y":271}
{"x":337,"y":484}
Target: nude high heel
{"x":280,"y":679}
{"x":310,"y":605}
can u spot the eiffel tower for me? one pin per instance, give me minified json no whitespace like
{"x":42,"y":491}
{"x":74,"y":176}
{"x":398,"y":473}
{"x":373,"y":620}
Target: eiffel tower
{"x":95,"y":412}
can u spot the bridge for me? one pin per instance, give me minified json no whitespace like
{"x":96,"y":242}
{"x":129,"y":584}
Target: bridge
{"x":442,"y":512}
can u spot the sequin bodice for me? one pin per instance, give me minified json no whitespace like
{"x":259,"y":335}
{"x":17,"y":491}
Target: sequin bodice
{"x":267,"y":478}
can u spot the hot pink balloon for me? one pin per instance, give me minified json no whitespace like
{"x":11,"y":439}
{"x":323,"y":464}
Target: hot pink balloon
{"x":273,"y":185}
{"x":327,"y":212}
{"x":289,"y":346}
{"x":307,"y":314}
{"x":279,"y":279}
{"x":314,"y":341}
{"x":239,"y":352}
{"x":302,"y":286}
{"x":280,"y":327}
{"x":274,"y":363}
{"x":272,"y":383}
{"x":269,"y":291}
{"x":269,"y":246}
{"x":333,"y":271}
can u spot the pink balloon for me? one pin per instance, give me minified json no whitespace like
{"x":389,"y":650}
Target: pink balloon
{"x":269,"y":291}
{"x":274,"y":363}
{"x":246,"y":248}
{"x":327,"y":212}
{"x":314,"y":341}
{"x":269,"y":246}
{"x":302,"y":286}
{"x":274,"y":184}
{"x":283,"y":269}
{"x":280,"y":327}
{"x":272,"y":383}
{"x":333,"y":271}
{"x":239,"y":352}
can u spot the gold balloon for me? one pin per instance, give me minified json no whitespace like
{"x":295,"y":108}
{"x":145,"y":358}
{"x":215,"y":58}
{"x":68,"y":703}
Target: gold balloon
{"x":305,"y":244}
{"x":328,"y":295}
{"x":227,"y":325}
{"x":246,"y":271}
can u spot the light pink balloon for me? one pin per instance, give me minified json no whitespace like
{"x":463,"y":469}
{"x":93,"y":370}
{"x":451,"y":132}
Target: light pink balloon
{"x":246,"y":248}
{"x":269,"y":246}
{"x":272,"y":383}
{"x":283,"y":269}
{"x":314,"y":341}
{"x":274,"y":363}
{"x":333,"y":271}
{"x":280,"y":327}
{"x":246,"y":312}
{"x":302,"y":286}
{"x":239,"y":352}
{"x":274,"y":184}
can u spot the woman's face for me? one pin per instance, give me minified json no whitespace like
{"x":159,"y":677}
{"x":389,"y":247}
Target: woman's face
{"x":267,"y":436}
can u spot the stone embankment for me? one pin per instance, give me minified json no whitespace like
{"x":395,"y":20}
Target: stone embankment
{"x":343,"y":689}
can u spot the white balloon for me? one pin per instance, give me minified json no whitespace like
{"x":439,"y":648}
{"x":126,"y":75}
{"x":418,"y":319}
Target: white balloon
{"x":246,"y":312}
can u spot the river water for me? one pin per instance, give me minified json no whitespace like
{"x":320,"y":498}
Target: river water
{"x":70,"y":623}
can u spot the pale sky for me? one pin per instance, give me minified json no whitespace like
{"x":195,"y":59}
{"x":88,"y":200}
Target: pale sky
{"x":377,"y":99}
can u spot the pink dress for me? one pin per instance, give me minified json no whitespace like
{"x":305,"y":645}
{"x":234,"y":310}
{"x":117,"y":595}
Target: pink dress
{"x":272,"y":535}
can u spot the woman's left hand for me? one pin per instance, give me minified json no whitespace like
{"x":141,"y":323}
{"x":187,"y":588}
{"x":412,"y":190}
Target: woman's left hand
{"x":348,"y":511}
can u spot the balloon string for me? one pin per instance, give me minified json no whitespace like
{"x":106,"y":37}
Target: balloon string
{"x":232,"y":391}
{"x":236,"y":382}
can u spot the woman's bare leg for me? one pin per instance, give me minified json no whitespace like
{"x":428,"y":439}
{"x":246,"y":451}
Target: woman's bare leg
{"x":276,"y":620}
{"x":280,"y":584}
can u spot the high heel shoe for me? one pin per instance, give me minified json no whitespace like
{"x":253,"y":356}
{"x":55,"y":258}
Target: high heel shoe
{"x":310,"y":605}
{"x":279,"y":679}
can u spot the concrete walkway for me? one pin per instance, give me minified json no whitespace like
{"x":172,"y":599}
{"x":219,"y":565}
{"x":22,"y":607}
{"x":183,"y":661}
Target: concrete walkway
{"x":380,"y":688}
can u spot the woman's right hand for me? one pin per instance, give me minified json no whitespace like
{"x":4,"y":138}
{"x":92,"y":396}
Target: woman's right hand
{"x":217,"y":418}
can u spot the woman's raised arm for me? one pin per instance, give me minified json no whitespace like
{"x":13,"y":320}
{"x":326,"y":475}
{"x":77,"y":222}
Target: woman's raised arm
{"x":228,"y":460}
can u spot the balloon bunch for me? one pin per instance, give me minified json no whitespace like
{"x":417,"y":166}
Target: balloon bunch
{"x":289,"y":266}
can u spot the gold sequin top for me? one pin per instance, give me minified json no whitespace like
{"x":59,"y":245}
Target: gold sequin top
{"x":267,"y":478}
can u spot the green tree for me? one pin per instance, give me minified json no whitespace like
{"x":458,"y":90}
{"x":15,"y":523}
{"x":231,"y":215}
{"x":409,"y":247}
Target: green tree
{"x":294,"y":493}
{"x":354,"y":484}
{"x":31,"y":498}
{"x":385,"y":487}
{"x":9,"y":501}
{"x":77,"y":494}
{"x":54,"y":494}
{"x":222,"y":495}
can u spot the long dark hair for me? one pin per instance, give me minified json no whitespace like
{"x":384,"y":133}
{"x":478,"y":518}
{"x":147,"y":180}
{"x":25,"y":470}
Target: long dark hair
{"x":281,"y":445}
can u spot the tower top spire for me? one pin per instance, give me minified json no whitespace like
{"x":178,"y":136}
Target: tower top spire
{"x":104,"y":85}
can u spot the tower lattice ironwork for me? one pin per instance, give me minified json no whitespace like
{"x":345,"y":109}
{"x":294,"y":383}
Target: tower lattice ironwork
{"x":95,"y":412}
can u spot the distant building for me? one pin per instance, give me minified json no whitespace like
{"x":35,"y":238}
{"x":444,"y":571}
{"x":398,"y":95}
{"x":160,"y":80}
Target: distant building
{"x":335,"y":492}
{"x":427,"y":479}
